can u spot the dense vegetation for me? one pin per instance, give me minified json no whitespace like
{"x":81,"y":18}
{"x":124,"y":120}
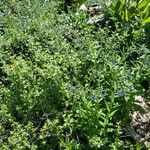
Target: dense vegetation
{"x":66,"y":83}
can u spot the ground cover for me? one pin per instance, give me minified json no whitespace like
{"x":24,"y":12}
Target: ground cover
{"x":66,"y":83}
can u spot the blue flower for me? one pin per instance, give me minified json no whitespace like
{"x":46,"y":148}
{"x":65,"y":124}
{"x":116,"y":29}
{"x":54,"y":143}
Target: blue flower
{"x":92,"y":97}
{"x":105,"y":94}
{"x":133,"y":55}
{"x":72,"y":89}
{"x":120,"y":94}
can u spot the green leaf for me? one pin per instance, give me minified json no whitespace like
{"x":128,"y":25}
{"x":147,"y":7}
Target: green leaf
{"x":146,"y":21}
{"x":143,"y":4}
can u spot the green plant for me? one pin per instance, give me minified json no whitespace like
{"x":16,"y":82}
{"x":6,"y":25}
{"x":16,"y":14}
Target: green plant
{"x":131,"y":14}
{"x":65,"y":84}
{"x":127,"y":10}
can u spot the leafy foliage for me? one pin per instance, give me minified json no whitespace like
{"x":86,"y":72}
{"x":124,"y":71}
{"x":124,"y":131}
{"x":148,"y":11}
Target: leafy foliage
{"x":133,"y":13}
{"x":65,"y":84}
{"x":128,"y":10}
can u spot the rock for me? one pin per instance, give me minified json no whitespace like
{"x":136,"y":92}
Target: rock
{"x":83,"y":8}
{"x":94,"y":9}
